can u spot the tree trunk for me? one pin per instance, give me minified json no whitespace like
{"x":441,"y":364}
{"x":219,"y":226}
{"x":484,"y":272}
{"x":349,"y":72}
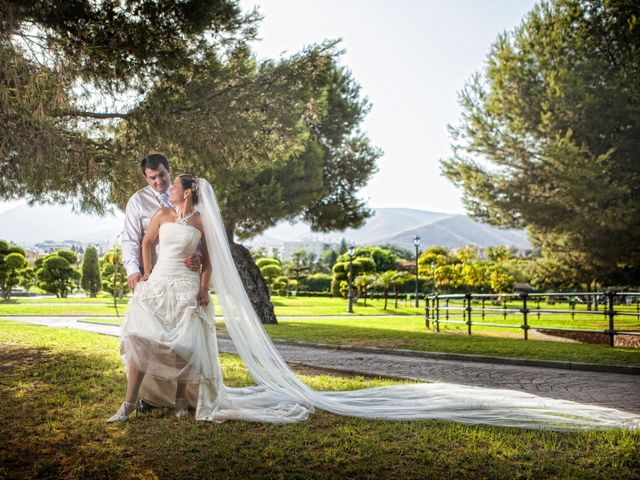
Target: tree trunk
{"x":254,"y":283}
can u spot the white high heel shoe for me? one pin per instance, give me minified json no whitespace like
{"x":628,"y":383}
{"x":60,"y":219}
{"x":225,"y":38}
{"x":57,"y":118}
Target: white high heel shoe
{"x":123,"y":412}
{"x":181,"y":407}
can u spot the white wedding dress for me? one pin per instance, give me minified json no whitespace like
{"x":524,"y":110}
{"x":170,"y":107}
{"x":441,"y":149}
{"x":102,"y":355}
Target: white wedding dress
{"x":174,"y":339}
{"x":166,"y":333}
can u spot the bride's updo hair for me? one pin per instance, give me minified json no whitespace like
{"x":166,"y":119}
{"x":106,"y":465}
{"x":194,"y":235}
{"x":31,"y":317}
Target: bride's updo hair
{"x":190,"y":181}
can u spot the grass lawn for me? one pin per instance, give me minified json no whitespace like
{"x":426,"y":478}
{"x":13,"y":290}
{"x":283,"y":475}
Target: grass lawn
{"x":579,"y":319}
{"x":338,"y":306}
{"x":409,"y":333}
{"x":58,"y":387}
{"x":284,"y":306}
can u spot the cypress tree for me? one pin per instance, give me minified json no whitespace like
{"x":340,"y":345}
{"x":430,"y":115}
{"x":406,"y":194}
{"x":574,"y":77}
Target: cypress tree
{"x":91,"y":281}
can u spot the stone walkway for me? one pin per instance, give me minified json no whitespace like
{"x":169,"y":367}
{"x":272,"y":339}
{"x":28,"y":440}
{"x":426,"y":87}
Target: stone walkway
{"x":615,"y":390}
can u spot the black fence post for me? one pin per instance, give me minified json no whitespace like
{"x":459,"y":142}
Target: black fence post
{"x":504,"y":309}
{"x":437,"y":300}
{"x":525,"y":312}
{"x":446,"y":311}
{"x":467,"y":310}
{"x":610,"y":313}
{"x":426,"y":312}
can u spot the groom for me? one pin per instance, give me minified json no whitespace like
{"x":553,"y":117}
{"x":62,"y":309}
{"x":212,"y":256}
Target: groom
{"x":140,"y":208}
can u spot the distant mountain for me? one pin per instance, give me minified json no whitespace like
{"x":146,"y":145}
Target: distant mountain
{"x":458,"y":231}
{"x":398,"y":226}
{"x":27,"y":226}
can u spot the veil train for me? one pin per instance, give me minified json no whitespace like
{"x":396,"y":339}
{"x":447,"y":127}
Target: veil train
{"x":281,"y":397}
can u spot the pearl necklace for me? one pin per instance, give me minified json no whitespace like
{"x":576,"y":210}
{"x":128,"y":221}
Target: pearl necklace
{"x":183,"y":219}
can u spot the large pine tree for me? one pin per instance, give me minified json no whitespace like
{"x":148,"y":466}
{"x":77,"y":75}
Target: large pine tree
{"x":550,"y":134}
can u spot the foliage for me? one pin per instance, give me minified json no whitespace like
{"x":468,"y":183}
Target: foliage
{"x":386,"y":281}
{"x":399,"y":252}
{"x":270,"y":128}
{"x":91,"y":281}
{"x":341,"y":273}
{"x":71,"y":69}
{"x":383,"y":259}
{"x":434,"y":255}
{"x":56,"y":273}
{"x":317,"y":282}
{"x":114,"y":275}
{"x":301,"y":263}
{"x":550,"y":133}
{"x":328,"y":259}
{"x":28,"y":278}
{"x":264,"y":261}
{"x":12,"y":263}
{"x":363,"y":283}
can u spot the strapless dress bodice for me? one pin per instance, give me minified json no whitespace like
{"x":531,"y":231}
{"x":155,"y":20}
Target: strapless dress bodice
{"x":176,"y":242}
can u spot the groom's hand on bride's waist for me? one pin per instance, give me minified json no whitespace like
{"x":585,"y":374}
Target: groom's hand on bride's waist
{"x":133,"y":279}
{"x":193,"y":262}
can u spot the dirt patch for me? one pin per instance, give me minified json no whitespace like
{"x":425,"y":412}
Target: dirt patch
{"x":626,"y":341}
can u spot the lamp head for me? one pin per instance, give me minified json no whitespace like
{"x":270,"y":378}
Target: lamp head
{"x":351,"y":250}
{"x":416,"y":240}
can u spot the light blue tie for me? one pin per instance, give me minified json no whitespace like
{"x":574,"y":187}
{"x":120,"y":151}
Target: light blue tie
{"x":165,"y":199}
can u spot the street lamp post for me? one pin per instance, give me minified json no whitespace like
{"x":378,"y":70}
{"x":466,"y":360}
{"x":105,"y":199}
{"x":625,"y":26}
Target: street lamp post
{"x":350,"y":295}
{"x":433,"y":275}
{"x":416,"y":242}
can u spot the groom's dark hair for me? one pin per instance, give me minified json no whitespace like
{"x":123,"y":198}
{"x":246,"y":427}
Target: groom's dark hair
{"x":152,"y":161}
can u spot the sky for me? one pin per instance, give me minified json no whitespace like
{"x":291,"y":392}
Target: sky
{"x":411,"y":59}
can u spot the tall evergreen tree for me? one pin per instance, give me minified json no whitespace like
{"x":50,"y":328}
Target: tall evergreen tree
{"x":550,"y":134}
{"x":91,"y":280}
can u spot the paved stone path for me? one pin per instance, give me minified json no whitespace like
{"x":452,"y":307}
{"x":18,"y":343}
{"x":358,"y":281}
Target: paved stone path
{"x":615,"y":390}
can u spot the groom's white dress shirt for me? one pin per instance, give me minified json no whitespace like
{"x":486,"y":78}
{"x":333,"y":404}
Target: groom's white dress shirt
{"x":140,"y":209}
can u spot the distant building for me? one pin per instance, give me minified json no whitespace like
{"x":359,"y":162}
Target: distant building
{"x":49,"y":246}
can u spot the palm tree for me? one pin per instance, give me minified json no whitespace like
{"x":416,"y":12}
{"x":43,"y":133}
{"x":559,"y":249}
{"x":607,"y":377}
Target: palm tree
{"x":363,"y":282}
{"x":400,"y":279}
{"x":385,"y":281}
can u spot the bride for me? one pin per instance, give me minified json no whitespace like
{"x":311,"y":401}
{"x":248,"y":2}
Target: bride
{"x":169,"y":347}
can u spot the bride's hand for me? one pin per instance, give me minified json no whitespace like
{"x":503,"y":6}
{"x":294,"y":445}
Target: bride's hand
{"x":203,"y":296}
{"x":144,"y":278}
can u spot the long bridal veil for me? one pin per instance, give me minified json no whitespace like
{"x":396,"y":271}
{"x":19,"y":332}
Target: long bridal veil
{"x":281,"y":397}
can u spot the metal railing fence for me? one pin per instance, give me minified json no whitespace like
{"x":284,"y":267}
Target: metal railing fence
{"x":474,"y":309}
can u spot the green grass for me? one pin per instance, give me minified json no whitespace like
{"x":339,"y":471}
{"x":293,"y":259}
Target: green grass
{"x":338,"y":306}
{"x":409,"y":333}
{"x":58,"y":387}
{"x":579,"y":320}
{"x":102,"y":300}
{"x":61,"y":309}
{"x":284,"y":306}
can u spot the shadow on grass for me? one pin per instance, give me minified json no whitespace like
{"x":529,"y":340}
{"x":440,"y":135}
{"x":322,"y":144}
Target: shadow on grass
{"x":55,"y":400}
